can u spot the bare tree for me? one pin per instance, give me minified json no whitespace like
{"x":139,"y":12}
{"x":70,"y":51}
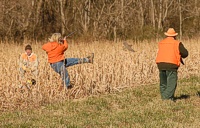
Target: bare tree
{"x":107,"y":19}
{"x":180,"y":18}
{"x":152,"y":14}
{"x":62,"y":15}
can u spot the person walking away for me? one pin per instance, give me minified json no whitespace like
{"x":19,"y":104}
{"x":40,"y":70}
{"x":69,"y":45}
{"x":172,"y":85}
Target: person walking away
{"x":169,"y":57}
{"x":55,"y":49}
{"x":28,"y":64}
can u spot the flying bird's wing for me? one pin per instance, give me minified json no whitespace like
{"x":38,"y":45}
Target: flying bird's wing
{"x":127,"y":46}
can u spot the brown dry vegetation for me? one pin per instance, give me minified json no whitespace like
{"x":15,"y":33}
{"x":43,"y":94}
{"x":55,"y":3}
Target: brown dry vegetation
{"x":113,"y":70}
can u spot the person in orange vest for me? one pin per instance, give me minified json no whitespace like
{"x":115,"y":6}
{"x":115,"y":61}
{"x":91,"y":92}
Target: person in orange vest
{"x":169,"y":58}
{"x":55,"y":49}
{"x":28,"y":62}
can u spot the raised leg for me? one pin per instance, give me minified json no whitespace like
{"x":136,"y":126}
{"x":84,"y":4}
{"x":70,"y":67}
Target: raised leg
{"x":74,"y":61}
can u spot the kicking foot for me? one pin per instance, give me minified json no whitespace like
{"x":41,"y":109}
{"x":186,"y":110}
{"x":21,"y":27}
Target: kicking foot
{"x":91,"y":58}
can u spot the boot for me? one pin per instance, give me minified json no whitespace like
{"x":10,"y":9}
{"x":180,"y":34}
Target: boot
{"x":69,"y":86}
{"x":88,"y":59}
{"x":91,"y":58}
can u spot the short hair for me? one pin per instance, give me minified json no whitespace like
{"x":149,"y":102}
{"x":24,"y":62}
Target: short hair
{"x":28,"y":47}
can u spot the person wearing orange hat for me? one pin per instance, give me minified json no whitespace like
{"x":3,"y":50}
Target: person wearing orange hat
{"x":55,"y":49}
{"x":168,"y":60}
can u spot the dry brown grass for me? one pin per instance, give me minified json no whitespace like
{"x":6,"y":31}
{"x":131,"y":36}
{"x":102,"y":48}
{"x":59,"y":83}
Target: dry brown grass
{"x":113,"y":70}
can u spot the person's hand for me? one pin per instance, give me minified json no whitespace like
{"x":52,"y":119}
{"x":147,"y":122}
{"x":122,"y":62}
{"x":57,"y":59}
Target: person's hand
{"x":24,"y":68}
{"x":28,"y":70}
{"x":64,"y":38}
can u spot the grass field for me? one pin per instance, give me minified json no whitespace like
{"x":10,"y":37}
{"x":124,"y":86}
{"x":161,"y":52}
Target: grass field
{"x":137,"y":107}
{"x":119,"y":90}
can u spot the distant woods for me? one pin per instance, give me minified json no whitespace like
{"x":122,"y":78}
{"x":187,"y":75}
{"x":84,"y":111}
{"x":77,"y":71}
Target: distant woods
{"x":98,"y":19}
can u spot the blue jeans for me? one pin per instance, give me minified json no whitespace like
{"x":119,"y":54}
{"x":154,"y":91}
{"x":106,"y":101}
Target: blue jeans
{"x":60,"y":67}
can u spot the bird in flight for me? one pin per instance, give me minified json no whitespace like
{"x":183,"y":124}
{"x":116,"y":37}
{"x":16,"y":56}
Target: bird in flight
{"x":128,"y":47}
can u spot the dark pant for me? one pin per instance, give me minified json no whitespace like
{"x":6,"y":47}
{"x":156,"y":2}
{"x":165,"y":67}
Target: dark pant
{"x":168,"y":83}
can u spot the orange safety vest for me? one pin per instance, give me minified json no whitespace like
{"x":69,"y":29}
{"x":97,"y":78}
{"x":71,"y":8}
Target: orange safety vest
{"x":168,"y":51}
{"x":31,"y":58}
{"x":28,"y":60}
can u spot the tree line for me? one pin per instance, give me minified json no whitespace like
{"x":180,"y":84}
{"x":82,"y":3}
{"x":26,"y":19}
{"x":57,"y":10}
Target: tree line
{"x":98,"y":19}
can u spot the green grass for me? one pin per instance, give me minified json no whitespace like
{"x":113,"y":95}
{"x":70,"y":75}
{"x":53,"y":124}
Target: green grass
{"x":134,"y":107}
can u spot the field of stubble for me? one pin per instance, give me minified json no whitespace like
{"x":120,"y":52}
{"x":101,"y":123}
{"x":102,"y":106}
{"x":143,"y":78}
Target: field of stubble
{"x":113,"y":70}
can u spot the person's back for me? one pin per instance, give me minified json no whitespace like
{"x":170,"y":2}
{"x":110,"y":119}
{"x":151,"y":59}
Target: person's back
{"x":168,"y":53}
{"x":55,"y":51}
{"x":169,"y":57}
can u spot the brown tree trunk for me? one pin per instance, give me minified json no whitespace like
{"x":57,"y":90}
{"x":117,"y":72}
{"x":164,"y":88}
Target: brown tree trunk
{"x":62,"y":16}
{"x":153,"y":15}
{"x":160,"y":15}
{"x":38,"y":8}
{"x":180,"y":18}
{"x":141,"y":15}
{"x":122,"y":15}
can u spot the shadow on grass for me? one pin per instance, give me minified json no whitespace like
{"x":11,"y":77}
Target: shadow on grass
{"x":181,"y":97}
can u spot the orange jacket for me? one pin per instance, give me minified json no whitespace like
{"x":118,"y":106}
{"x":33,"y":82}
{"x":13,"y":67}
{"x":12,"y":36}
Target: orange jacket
{"x":168,"y":51}
{"x":55,"y":51}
